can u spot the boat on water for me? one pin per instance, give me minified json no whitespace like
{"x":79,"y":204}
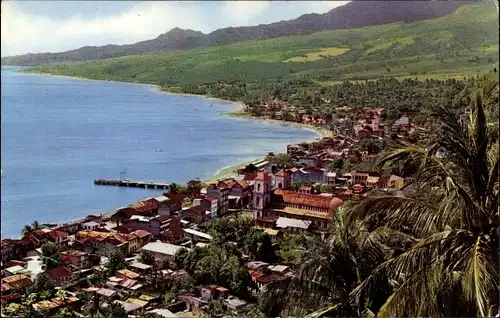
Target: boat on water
{"x":159,"y":150}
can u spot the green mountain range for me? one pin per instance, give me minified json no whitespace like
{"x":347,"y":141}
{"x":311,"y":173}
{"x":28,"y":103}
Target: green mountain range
{"x":353,"y":15}
{"x":463,"y":42}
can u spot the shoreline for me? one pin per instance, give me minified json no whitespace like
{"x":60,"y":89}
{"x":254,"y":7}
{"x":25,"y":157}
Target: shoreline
{"x":321,"y":131}
{"x":228,"y":171}
{"x":223,"y":172}
{"x":238,"y":113}
{"x":158,"y":89}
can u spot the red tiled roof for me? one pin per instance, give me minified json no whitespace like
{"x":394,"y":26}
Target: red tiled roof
{"x":126,"y":273}
{"x":263,"y":176}
{"x":210,"y":198}
{"x":58,"y":272}
{"x":305,"y":188}
{"x":17,"y":281}
{"x":39,"y":232}
{"x":127,"y":282}
{"x":74,"y":253}
{"x":57,"y":234}
{"x":141,"y":233}
{"x":5,"y":287}
{"x":142,"y":207}
{"x":81,"y":241}
{"x":60,"y":301}
{"x":151,"y":203}
{"x":54,"y":303}
{"x":237,"y":183}
{"x":31,"y":238}
{"x":125,"y":237}
{"x":283,"y":172}
{"x":358,"y":187}
{"x":125,"y":213}
{"x":174,"y":196}
{"x":270,"y":278}
{"x":6,"y":243}
{"x":255,"y":275}
{"x":222,"y":185}
{"x":301,"y":199}
{"x":230,"y":183}
{"x":112,"y":237}
{"x":243,"y":184}
{"x":249,"y":176}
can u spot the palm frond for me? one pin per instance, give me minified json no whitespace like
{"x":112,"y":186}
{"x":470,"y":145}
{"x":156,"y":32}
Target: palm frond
{"x":412,"y":215}
{"x":481,"y":278}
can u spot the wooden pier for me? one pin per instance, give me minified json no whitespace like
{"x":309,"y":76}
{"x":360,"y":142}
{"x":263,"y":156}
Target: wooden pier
{"x":132,"y":184}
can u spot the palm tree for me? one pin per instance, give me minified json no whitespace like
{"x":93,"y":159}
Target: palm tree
{"x":27,"y":229}
{"x":91,"y":305}
{"x":194,"y":187}
{"x":173,"y":188}
{"x":452,"y":270}
{"x":331,"y":269}
{"x":114,"y":310}
{"x":35,"y":225}
{"x":30,"y":228}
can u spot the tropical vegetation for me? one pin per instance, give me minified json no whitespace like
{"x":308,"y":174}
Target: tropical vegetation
{"x":31,"y":228}
{"x":433,"y":252}
{"x":462,"y":43}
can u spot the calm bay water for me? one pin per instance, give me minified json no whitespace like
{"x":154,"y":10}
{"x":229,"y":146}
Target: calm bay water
{"x":59,"y":133}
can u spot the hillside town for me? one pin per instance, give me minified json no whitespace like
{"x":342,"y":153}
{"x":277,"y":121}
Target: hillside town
{"x":297,"y":192}
{"x":391,"y":211}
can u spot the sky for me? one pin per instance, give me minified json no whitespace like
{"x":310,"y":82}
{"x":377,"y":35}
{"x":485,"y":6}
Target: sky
{"x":55,"y":26}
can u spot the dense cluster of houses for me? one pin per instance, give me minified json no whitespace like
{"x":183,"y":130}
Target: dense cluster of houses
{"x":160,"y":225}
{"x":164,"y":224}
{"x":354,"y":122}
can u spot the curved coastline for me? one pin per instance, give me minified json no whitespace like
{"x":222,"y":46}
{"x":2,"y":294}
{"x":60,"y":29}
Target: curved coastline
{"x":238,"y":113}
{"x":228,"y":170}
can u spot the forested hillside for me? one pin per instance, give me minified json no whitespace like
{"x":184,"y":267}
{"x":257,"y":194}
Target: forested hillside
{"x":460,"y":44}
{"x":353,"y":15}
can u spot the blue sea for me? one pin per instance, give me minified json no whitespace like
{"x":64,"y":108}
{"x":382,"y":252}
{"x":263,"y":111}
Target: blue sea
{"x":59,"y":134}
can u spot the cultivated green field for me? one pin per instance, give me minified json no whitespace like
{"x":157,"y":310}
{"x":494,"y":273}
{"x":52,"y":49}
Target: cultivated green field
{"x":461,"y":44}
{"x":320,"y":54}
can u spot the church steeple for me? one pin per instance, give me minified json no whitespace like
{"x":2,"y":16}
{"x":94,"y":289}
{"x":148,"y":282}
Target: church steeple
{"x":261,"y":194}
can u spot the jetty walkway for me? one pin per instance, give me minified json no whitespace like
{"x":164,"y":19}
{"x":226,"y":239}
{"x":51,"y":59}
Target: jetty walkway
{"x":132,"y":183}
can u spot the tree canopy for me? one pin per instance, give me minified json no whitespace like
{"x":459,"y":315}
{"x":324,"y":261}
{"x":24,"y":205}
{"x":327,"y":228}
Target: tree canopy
{"x":433,"y":252}
{"x":51,"y":256}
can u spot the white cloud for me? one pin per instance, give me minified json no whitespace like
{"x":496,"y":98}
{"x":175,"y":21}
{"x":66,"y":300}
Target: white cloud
{"x":22,"y":32}
{"x":324,"y":6}
{"x":240,"y":13}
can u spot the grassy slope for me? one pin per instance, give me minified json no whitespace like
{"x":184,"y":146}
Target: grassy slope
{"x":463,"y":43}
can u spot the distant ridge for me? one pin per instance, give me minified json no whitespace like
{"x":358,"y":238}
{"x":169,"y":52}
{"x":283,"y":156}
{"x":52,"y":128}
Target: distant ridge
{"x":352,"y":15}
